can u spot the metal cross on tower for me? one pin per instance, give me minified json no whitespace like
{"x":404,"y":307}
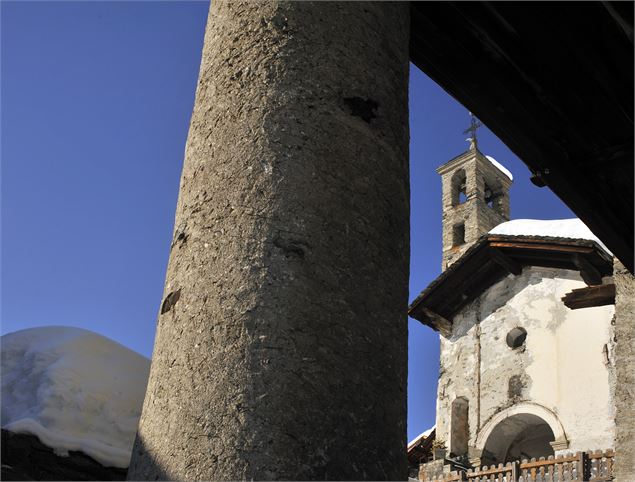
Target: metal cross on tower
{"x":474,"y":124}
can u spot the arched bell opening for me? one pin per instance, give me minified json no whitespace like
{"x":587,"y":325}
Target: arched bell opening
{"x":459,"y":187}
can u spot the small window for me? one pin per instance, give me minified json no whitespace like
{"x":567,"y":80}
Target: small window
{"x":458,"y":234}
{"x":516,"y":337}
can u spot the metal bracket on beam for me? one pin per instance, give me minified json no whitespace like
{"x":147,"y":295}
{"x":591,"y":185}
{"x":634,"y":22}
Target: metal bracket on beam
{"x":538,"y":178}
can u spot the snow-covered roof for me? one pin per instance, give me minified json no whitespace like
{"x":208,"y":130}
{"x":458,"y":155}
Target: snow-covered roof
{"x":552,"y":228}
{"x":74,"y":390}
{"x":500,"y":167}
{"x":420,"y":436}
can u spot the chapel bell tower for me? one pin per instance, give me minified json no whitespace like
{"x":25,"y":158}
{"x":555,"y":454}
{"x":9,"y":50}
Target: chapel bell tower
{"x":475,"y":198}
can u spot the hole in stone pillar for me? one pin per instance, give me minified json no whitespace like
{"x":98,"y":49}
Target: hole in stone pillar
{"x":170,"y":301}
{"x":365,"y":109}
{"x":290,"y":247}
{"x":458,"y":234}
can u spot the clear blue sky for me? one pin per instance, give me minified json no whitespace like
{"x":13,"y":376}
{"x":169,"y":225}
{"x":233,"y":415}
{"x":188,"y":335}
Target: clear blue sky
{"x":95,"y":105}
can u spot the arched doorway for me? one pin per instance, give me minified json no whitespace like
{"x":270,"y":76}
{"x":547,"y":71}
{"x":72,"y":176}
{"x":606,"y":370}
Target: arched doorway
{"x":520,"y":436}
{"x":521,"y":431}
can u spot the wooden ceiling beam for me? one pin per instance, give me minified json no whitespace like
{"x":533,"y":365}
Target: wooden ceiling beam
{"x":589,"y":273}
{"x":541,"y":245}
{"x":507,"y":263}
{"x":590,"y":296}
{"x":436,"y":321}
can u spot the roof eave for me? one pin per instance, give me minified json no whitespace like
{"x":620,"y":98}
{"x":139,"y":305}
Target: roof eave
{"x":495,"y":256}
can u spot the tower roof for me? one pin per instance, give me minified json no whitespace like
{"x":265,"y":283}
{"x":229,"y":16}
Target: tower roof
{"x":467,"y":155}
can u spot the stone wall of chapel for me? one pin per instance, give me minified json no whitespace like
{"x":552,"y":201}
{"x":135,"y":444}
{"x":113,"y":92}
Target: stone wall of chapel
{"x":564,"y":365}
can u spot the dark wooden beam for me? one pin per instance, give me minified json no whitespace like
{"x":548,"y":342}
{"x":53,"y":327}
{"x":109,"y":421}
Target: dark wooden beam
{"x":590,"y":296}
{"x":455,"y":280}
{"x":506,"y":262}
{"x":589,"y":273}
{"x":540,"y":246}
{"x":613,"y":154}
{"x":436,"y":321}
{"x":471,"y":284}
{"x":472,"y":291}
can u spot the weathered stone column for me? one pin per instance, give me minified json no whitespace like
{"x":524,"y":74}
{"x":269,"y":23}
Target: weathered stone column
{"x":624,"y":469}
{"x":281,"y":346}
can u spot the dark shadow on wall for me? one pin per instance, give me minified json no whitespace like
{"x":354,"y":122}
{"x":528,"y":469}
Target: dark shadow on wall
{"x":143,"y":466}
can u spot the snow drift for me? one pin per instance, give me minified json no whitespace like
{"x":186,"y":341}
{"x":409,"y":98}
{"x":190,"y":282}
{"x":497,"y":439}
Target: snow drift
{"x":74,"y":390}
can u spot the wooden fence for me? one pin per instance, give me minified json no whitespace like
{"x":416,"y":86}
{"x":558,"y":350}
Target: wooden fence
{"x":600,"y":465}
{"x":500,"y":473}
{"x":580,"y":467}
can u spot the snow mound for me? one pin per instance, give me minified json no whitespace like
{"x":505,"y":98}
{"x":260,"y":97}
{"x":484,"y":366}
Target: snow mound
{"x":553,"y":228}
{"x":500,"y":167}
{"x":421,"y":436}
{"x":74,"y":390}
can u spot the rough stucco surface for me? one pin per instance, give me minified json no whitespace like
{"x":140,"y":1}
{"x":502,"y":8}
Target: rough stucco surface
{"x":625,"y":377}
{"x":281,"y":346}
{"x":562,"y":366}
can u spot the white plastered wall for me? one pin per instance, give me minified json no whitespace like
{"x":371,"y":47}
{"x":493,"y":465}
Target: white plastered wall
{"x":565,"y":365}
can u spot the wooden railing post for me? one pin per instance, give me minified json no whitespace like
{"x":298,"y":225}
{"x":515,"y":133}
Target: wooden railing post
{"x":514,"y":472}
{"x":582,"y":476}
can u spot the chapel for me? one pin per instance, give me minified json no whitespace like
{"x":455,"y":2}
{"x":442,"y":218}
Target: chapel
{"x":524,"y":310}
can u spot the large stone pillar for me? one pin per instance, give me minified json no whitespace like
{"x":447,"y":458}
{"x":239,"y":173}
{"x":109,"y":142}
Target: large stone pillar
{"x":624,"y":469}
{"x":281,"y":345}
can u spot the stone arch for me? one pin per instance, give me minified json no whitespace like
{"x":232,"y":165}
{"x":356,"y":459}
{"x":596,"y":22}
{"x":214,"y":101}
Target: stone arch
{"x":489,"y":445}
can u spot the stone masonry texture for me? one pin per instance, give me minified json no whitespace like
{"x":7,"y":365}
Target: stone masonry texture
{"x":476,"y":216}
{"x":281,"y":343}
{"x":625,"y":367}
